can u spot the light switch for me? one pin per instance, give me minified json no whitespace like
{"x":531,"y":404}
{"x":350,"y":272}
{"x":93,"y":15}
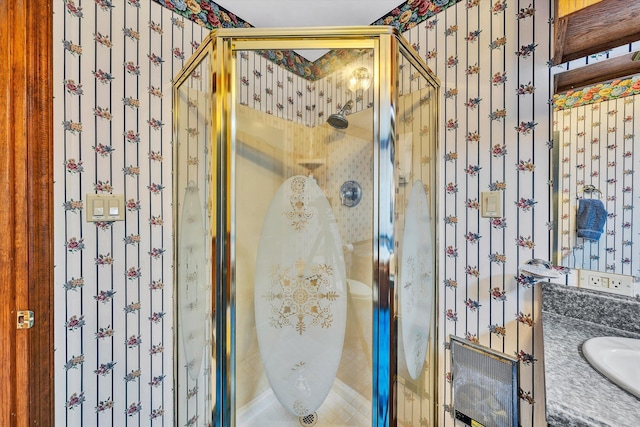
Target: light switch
{"x":98,"y":208}
{"x":114,"y":209}
{"x":105,"y":207}
{"x":491,"y":203}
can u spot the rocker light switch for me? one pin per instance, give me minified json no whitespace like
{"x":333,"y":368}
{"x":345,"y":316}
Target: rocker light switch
{"x":491,"y":204}
{"x":98,"y":208}
{"x":114,"y":209}
{"x":105,"y":207}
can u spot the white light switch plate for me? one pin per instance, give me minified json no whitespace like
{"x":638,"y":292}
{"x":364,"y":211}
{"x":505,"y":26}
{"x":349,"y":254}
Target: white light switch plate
{"x":491,"y":204}
{"x":104,"y":207}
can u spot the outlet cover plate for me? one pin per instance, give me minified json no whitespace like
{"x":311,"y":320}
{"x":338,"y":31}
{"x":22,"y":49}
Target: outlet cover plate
{"x":606,"y":282}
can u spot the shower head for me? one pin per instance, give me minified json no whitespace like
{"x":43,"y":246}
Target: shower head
{"x":338,"y":120}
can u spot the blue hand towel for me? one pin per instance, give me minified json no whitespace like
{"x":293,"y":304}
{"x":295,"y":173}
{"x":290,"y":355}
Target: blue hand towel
{"x":590,"y":219}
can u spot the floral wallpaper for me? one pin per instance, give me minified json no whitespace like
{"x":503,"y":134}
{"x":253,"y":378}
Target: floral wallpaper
{"x":601,"y":92}
{"x":210,"y":15}
{"x":596,"y":140}
{"x":114,"y":65}
{"x":492,"y":60}
{"x":205,"y":13}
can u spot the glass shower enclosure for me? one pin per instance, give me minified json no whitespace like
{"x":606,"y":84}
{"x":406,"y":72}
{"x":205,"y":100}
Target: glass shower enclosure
{"x":305,"y":284}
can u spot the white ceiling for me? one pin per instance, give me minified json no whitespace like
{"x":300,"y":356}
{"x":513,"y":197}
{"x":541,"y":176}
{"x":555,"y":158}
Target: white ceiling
{"x":309,"y":13}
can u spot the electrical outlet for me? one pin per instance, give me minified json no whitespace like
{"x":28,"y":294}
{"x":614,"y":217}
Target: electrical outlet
{"x":606,"y":282}
{"x":616,"y":284}
{"x":595,"y":282}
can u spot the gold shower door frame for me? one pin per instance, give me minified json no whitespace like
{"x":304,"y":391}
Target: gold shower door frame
{"x":220,"y":47}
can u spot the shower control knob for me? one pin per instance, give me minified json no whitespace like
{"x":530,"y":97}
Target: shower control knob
{"x":350,"y":193}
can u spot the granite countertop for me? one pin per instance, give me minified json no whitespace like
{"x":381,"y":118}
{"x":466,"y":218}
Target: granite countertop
{"x":577,"y":395}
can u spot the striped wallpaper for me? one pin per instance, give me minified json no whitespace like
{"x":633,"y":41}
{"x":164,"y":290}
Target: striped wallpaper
{"x":113,"y":70}
{"x":491,"y":58}
{"x":597,"y":148}
{"x":113,"y":65}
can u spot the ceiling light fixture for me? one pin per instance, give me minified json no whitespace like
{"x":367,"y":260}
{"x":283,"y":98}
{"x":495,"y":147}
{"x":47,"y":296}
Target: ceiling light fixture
{"x":360,"y":79}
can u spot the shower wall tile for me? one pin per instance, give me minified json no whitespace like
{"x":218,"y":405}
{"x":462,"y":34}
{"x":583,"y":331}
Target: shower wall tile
{"x":352,"y":162}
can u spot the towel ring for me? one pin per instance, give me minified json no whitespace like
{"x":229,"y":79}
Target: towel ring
{"x":590,"y":189}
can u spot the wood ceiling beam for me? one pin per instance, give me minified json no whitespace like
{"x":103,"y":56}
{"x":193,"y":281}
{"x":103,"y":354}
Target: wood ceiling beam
{"x":598,"y":72}
{"x":565,"y":7}
{"x":561,"y":33}
{"x":597,"y":28}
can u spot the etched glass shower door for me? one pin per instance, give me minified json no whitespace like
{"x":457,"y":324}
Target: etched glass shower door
{"x":195,"y":211}
{"x":415,"y":211}
{"x":304,"y":182}
{"x":303,"y":340}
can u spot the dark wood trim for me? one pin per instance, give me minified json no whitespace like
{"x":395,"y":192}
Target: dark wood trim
{"x":599,"y":27}
{"x":26,"y":269}
{"x":611,"y":69}
{"x":39,"y":119}
{"x":7,"y":214}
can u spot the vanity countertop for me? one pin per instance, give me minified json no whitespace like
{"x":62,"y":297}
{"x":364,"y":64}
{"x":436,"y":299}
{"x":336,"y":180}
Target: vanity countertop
{"x":577,"y":395}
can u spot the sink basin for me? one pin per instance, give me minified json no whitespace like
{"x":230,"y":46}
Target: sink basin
{"x":616,"y":358}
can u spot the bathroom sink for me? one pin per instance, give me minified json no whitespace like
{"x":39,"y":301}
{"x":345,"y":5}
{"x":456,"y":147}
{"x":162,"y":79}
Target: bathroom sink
{"x":616,"y":358}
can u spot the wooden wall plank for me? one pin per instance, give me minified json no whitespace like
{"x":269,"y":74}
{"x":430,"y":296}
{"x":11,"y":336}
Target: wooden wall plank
{"x":26,"y":270}
{"x":7,"y":214}
{"x":39,"y":132}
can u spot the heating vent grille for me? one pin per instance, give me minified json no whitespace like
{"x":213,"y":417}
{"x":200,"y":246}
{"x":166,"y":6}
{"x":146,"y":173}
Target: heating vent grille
{"x":485,"y":385}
